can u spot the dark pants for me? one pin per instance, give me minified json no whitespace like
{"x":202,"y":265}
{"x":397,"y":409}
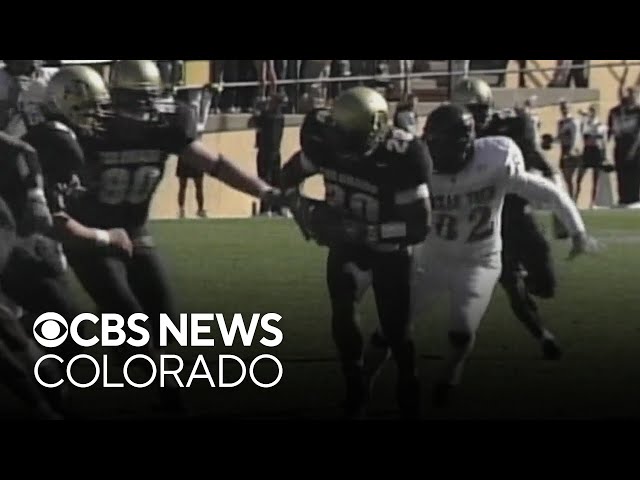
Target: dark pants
{"x":579,"y":75}
{"x":525,"y":249}
{"x":268,"y":163}
{"x":227,"y":71}
{"x":628,"y":173}
{"x":339,"y":68}
{"x":390,"y":274}
{"x":139,"y":284}
{"x":247,"y":73}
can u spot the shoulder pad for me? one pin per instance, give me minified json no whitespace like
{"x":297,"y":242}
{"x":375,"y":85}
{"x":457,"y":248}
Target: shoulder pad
{"x":494,"y":143}
{"x":58,"y":126}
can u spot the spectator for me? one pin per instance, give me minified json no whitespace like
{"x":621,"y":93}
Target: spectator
{"x":568,"y":132}
{"x":339,"y":68}
{"x":594,"y":136}
{"x":579,"y":74}
{"x":200,"y":100}
{"x":171,"y":73}
{"x":293,"y":90}
{"x":406,"y":115}
{"x":522,"y":75}
{"x":266,"y":73}
{"x":247,"y":96}
{"x":269,"y":125}
{"x":561,"y":74}
{"x":624,"y":128}
{"x":315,"y":93}
{"x":401,"y":86}
{"x":226,"y":71}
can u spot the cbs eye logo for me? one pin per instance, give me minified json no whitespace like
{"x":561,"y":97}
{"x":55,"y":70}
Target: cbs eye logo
{"x":50,"y":330}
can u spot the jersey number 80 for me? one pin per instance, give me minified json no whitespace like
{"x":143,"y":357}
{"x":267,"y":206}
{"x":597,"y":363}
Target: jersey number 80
{"x":119,"y":185}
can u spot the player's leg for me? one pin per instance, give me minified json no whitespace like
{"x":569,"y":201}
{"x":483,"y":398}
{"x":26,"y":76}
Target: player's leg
{"x":534,"y":252}
{"x":581,"y":171}
{"x":149,"y":280}
{"x":527,"y":269}
{"x":594,"y":186}
{"x":391,"y":285}
{"x":428,"y":275}
{"x":347,"y":280}
{"x":182,"y":193}
{"x":104,"y":277}
{"x":471,"y":289}
{"x":199,"y":184}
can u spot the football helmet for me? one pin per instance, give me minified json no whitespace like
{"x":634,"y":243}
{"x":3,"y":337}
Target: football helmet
{"x":135,"y":86}
{"x":476,"y":95}
{"x":361,"y":120}
{"x":77,"y":94}
{"x":449,"y":134}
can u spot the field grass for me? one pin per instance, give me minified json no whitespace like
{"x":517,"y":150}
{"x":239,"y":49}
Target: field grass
{"x":262,"y":265}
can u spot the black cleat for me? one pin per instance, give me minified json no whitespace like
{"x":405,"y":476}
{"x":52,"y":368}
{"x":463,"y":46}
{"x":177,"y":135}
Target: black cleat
{"x":443,"y":395}
{"x":550,"y":349}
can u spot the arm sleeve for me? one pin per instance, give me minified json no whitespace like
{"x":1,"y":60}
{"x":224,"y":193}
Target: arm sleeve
{"x":540,"y":190}
{"x":533,"y":154}
{"x":61,"y":158}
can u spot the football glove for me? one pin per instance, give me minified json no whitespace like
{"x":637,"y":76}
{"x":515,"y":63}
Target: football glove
{"x":583,"y":243}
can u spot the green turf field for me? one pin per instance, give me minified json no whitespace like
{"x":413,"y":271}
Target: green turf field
{"x":263,"y":265}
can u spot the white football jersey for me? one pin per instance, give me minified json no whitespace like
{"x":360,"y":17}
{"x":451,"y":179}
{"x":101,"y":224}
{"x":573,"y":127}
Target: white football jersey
{"x":467,"y":206}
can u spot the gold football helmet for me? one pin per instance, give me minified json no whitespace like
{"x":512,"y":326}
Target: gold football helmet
{"x":135,"y":85}
{"x":476,"y":95}
{"x":361,"y":117}
{"x":78,"y":94}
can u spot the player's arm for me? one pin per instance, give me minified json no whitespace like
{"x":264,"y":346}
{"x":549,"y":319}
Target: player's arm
{"x":412,"y":200}
{"x":537,"y":189}
{"x":7,"y":233}
{"x":298,"y":168}
{"x":200,"y":157}
{"x":61,"y":158}
{"x":532,"y":152}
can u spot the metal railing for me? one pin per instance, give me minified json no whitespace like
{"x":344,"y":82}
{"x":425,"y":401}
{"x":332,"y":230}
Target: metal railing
{"x":413,"y":75}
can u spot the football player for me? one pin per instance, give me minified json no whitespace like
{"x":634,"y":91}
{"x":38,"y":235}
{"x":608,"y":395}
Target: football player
{"x":463,"y":255}
{"x":120,"y":158}
{"x":17,"y":353}
{"x":34,"y":275}
{"x":527,"y":265}
{"x":376,"y":206}
{"x":22,"y":88}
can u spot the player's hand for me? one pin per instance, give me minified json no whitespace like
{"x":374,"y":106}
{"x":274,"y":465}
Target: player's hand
{"x":299,"y":211}
{"x":119,"y":239}
{"x":583,"y":243}
{"x":272,"y":196}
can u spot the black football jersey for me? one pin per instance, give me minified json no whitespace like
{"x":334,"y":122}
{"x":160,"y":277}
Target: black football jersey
{"x":373,"y":186}
{"x":120,"y":167}
{"x":519,"y":127}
